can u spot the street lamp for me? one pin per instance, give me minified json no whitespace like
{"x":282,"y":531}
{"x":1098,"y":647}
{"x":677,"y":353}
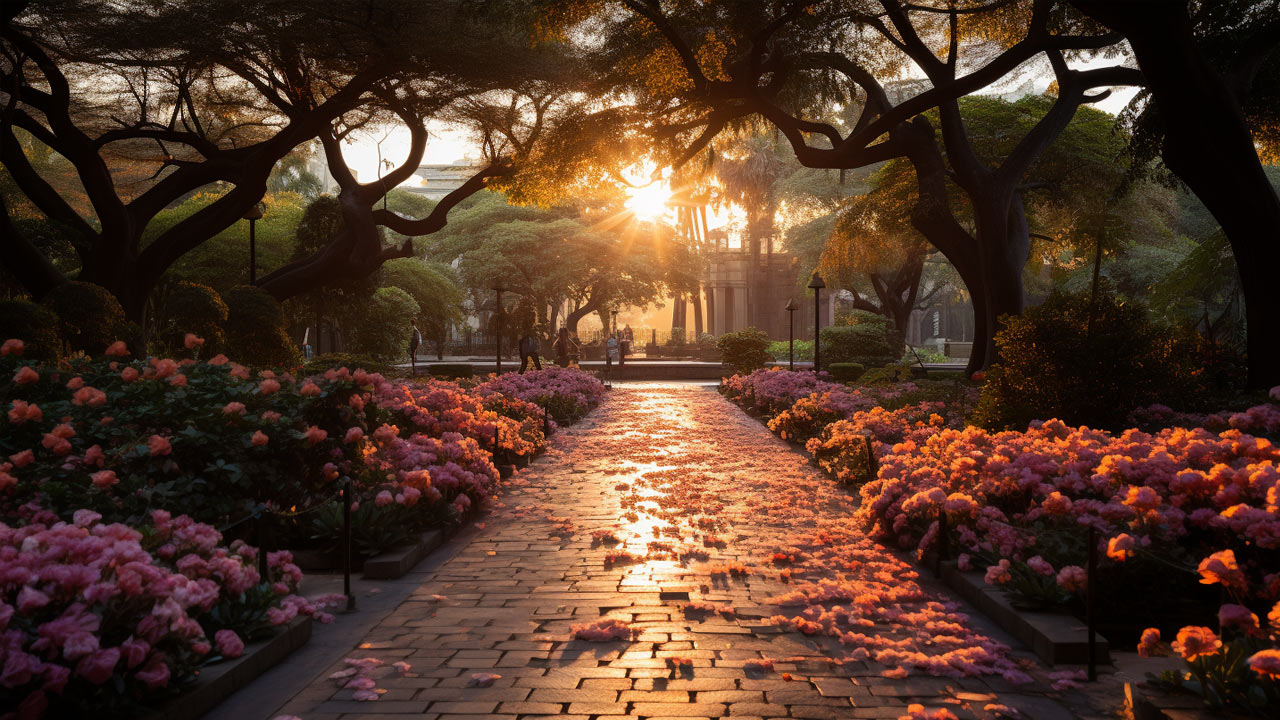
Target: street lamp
{"x":615,"y":321}
{"x":816,"y":283}
{"x":253,"y":215}
{"x":791,"y":333}
{"x":497,"y":350}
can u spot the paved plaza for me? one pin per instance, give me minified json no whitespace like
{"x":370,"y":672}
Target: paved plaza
{"x":670,"y":557}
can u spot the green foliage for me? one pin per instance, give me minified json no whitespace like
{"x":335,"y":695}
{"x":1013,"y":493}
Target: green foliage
{"x":34,"y":325}
{"x":1051,"y":365}
{"x":866,"y":338}
{"x":845,"y":372}
{"x":374,"y":529}
{"x":89,"y":316}
{"x":255,"y":329}
{"x":192,"y":308}
{"x":451,"y":371}
{"x":222,"y":261}
{"x":780,"y":350}
{"x":745,"y":351}
{"x":432,"y":286}
{"x":350,"y":361}
{"x":383,"y":332}
{"x":677,"y":338}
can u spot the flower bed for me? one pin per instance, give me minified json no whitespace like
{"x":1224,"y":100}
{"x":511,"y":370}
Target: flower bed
{"x":1176,"y":511}
{"x":566,"y":393}
{"x":106,"y":447}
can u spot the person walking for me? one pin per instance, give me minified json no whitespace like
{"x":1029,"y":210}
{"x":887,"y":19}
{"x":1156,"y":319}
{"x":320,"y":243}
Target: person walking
{"x":564,"y":348}
{"x":529,"y":350}
{"x":610,"y":352}
{"x":414,"y":341}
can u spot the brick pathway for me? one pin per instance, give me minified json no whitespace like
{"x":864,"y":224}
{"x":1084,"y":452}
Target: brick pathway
{"x":696,"y":493}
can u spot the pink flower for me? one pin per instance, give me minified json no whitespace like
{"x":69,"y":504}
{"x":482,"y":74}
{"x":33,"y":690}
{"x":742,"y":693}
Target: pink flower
{"x":23,"y":411}
{"x":353,"y":435}
{"x":12,"y":346}
{"x":30,"y":598}
{"x":268,"y":386}
{"x":22,"y":459}
{"x":104,"y":479}
{"x":1073,"y":578}
{"x":159,"y":445}
{"x":1238,"y":617}
{"x":92,"y":397}
{"x":129,"y":374}
{"x":233,"y":408}
{"x":156,"y":673}
{"x":190,"y":341}
{"x":999,"y":574}
{"x":164,"y":367}
{"x":1150,"y":642}
{"x":25,"y":375}
{"x":98,"y":667}
{"x":309,"y":389}
{"x":1195,"y":641}
{"x":85,"y":518}
{"x":259,"y":438}
{"x":178,"y":380}
{"x":383,"y":499}
{"x":117,"y":349}
{"x":315,"y":435}
{"x":75,"y":383}
{"x":229,"y":643}
{"x":1120,"y":547}
{"x":1040,"y":566}
{"x":1266,"y":662}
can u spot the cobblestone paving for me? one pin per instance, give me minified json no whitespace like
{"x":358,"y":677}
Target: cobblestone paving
{"x":689,"y":487}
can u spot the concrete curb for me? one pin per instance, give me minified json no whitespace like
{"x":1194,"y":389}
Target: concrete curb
{"x":217,"y":682}
{"x":397,"y":563}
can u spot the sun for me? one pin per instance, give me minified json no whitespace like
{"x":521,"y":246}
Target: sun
{"x":648,"y":202}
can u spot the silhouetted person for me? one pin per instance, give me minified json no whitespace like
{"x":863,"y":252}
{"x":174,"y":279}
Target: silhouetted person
{"x":564,"y":348}
{"x":529,"y":350}
{"x":414,"y":341}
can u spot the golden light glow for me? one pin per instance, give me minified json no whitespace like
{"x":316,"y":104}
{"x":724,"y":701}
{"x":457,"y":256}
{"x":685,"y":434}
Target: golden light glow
{"x":649,"y":202}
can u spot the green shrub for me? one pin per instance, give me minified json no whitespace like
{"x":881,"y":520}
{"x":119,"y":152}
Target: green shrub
{"x":677,"y":338}
{"x":745,"y":351}
{"x":867,"y":338}
{"x":89,"y":316}
{"x":34,"y":325}
{"x":192,"y":308}
{"x":451,"y":371}
{"x":846,"y":372}
{"x":383,"y":331}
{"x":1049,"y":365}
{"x":780,"y":350}
{"x":350,"y":361}
{"x":255,"y":329}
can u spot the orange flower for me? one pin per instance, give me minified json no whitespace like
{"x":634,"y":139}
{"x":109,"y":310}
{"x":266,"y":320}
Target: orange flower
{"x":1221,"y":567}
{"x":1195,"y":641}
{"x":1266,"y":663}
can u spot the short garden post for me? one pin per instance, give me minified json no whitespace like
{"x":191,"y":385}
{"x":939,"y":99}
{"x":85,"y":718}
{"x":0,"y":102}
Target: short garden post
{"x":546,"y":423}
{"x":260,"y":534}
{"x":1090,"y":584}
{"x":873,"y":468}
{"x":346,"y":545}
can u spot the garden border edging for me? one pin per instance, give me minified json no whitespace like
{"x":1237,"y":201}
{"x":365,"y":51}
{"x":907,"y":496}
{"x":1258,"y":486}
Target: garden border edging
{"x":398,"y":562}
{"x":218,"y":682}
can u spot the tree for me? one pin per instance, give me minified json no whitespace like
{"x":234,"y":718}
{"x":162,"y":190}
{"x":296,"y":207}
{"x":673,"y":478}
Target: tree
{"x":129,"y":84}
{"x":432,"y":287}
{"x":1212,"y":74}
{"x":791,"y":63}
{"x":593,"y":260}
{"x":383,"y":330}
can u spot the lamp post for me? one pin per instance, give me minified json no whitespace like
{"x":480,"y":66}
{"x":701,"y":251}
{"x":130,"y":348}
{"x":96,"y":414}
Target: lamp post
{"x":497,"y":336}
{"x":615,"y":321}
{"x":253,"y":215}
{"x":791,"y":333}
{"x":816,"y":283}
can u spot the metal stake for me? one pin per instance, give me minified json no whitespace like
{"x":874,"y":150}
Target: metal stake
{"x":944,"y":542}
{"x":346,"y":545}
{"x":1091,"y":580}
{"x":259,"y":526}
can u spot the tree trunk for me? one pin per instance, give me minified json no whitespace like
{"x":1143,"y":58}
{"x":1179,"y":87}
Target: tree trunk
{"x":1208,"y":145}
{"x":696,"y":297}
